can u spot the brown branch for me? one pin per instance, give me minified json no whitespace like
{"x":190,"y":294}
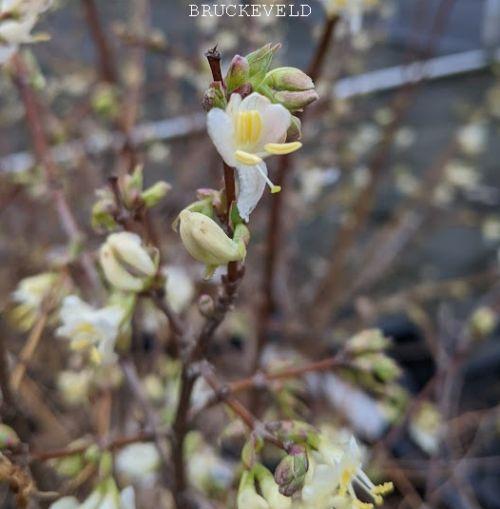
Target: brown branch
{"x":273,"y":255}
{"x":43,"y":155}
{"x":333,"y":282}
{"x":104,"y":53}
{"x":224,"y":302}
{"x":261,"y":379}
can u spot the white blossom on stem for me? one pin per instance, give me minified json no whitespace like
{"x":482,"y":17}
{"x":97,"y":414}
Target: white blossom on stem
{"x":248,"y":131}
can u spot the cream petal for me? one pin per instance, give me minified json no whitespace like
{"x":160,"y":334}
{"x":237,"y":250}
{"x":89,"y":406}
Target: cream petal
{"x":255,"y":101}
{"x":276,"y":120}
{"x":221,"y":131}
{"x":129,"y":248}
{"x":251,"y":184}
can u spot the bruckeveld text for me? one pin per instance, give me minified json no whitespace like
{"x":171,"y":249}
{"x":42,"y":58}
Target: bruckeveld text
{"x":250,"y":10}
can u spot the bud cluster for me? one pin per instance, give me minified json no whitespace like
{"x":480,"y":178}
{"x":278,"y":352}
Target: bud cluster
{"x":126,"y":200}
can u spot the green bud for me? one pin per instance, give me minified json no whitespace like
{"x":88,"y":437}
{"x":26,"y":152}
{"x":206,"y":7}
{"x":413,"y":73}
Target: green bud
{"x":238,"y":73}
{"x":206,"y":305}
{"x":288,"y":78}
{"x":214,"y":97}
{"x":250,"y":451}
{"x":102,"y":215}
{"x":70,"y":466}
{"x":8,"y":436}
{"x":370,"y":340}
{"x":291,"y":472}
{"x":297,"y":432}
{"x":260,"y":61}
{"x":131,"y":187}
{"x":295,"y":101}
{"x":483,"y":322}
{"x":104,"y":101}
{"x":155,"y":193}
{"x":382,"y":366}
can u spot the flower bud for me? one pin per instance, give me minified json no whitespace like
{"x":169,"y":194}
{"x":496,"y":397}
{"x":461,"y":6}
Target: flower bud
{"x":259,"y":62}
{"x":131,"y":187}
{"x":291,"y":472}
{"x":295,"y":101}
{"x":248,"y":498}
{"x":206,"y":241}
{"x":206,"y":305}
{"x":270,"y":489}
{"x":238,"y":74}
{"x":370,"y":340}
{"x":8,"y":436}
{"x":102,"y":215}
{"x":155,"y":193}
{"x":288,"y":78}
{"x":214,"y":97}
{"x":289,"y":86}
{"x":483,"y":322}
{"x":127,"y":263}
{"x":380,"y":365}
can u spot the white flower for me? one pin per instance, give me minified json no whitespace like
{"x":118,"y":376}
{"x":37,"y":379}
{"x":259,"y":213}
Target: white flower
{"x":472,"y":138}
{"x":65,"y":503}
{"x":90,"y":328}
{"x":244,"y":134}
{"x":75,"y":386}
{"x":138,"y":461}
{"x":29,"y":296}
{"x":179,"y":288}
{"x":335,"y":468}
{"x":127,"y":263}
{"x":17,"y":19}
{"x":107,"y":496}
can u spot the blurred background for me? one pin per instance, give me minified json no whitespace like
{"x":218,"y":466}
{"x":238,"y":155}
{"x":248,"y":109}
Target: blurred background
{"x":390,"y":214}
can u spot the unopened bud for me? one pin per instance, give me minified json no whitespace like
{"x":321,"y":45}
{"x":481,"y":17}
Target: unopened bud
{"x":206,"y":305}
{"x":131,"y":187}
{"x":370,"y":340}
{"x":8,"y":436}
{"x":288,"y":78}
{"x":483,"y":322}
{"x":295,"y":101}
{"x":104,"y":100}
{"x":102,"y":215}
{"x":207,"y":242}
{"x":260,"y":61}
{"x":382,"y":366}
{"x":214,"y":97}
{"x":291,"y":472}
{"x":127,"y":263}
{"x":155,"y":193}
{"x":238,"y":74}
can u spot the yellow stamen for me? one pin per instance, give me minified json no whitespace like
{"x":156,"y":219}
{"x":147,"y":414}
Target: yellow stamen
{"x":80,"y":344}
{"x":247,"y":158}
{"x":281,"y":149}
{"x":345,"y":480}
{"x":383,"y":489}
{"x":95,"y":356}
{"x":275,"y":189}
{"x":248,"y":127}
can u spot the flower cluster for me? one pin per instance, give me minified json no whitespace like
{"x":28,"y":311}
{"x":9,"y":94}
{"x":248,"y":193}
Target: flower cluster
{"x":322,"y":472}
{"x":17,"y":20}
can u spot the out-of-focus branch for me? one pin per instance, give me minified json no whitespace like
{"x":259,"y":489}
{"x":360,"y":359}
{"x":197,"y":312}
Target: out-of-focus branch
{"x":44,"y":157}
{"x":273,"y":253}
{"x":105,"y":55}
{"x":333,"y":282}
